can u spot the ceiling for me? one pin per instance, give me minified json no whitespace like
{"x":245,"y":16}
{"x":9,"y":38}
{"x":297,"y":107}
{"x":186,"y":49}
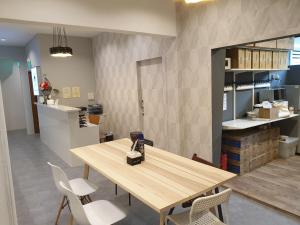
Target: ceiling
{"x":19,"y":34}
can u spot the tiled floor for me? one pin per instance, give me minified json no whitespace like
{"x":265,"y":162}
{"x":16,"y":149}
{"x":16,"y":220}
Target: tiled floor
{"x":37,"y":198}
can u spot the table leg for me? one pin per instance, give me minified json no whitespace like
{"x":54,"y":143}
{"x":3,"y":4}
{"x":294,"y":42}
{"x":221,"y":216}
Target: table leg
{"x":86,"y":171}
{"x":162,"y":218}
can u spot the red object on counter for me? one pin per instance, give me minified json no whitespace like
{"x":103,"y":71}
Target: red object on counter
{"x":224,"y":161}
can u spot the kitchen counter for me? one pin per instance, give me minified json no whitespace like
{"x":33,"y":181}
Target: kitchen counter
{"x":240,"y":124}
{"x":60,"y":107}
{"x":60,"y":131}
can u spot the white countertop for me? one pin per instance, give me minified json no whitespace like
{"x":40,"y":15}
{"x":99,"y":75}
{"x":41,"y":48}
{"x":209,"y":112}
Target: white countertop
{"x":240,"y":124}
{"x":60,"y":107}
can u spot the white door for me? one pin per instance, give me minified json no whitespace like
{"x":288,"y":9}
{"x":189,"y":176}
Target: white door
{"x":152,"y":101}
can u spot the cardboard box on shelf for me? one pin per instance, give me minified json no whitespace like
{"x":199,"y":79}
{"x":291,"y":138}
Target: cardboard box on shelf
{"x":237,"y":56}
{"x":248,"y":59}
{"x":275,"y":60}
{"x":269,"y":58}
{"x":268,"y":113}
{"x":262,"y":59}
{"x":283,"y":59}
{"x":255,"y":59}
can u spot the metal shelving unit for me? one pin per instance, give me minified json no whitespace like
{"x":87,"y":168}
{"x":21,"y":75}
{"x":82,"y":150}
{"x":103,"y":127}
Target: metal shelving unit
{"x":252,"y":84}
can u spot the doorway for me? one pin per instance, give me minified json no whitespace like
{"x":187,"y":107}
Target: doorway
{"x":152,"y":100}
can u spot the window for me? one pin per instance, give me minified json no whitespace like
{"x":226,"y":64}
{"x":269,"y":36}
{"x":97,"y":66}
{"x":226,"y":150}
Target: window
{"x":295,"y":54}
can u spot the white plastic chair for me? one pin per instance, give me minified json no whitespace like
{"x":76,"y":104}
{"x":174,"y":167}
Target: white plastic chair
{"x":100,"y":212}
{"x":81,"y":187}
{"x":200,"y":211}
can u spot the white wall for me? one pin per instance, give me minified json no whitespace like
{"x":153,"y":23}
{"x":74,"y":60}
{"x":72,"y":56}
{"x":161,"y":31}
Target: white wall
{"x":16,"y":91}
{"x":156,"y":16}
{"x":7,"y":206}
{"x":77,"y":70}
{"x":32,"y":51}
{"x":14,"y":108}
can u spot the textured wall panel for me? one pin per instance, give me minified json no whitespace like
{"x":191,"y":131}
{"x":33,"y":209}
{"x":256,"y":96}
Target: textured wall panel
{"x":201,"y":27}
{"x":116,"y":57}
{"x":208,"y":25}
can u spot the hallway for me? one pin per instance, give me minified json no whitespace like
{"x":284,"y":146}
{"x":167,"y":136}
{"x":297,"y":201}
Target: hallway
{"x":37,"y":198}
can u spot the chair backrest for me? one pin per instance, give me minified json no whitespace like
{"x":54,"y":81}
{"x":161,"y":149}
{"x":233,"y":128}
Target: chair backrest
{"x":59,"y":175}
{"x":148,"y":142}
{"x":203,"y":204}
{"x":76,"y":206}
{"x":200,"y":160}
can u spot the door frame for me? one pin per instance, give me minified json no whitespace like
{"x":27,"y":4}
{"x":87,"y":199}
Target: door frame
{"x":34,"y":99}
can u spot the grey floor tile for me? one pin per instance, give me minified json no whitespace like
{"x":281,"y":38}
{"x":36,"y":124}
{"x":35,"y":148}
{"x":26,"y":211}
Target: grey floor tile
{"x":37,"y":198}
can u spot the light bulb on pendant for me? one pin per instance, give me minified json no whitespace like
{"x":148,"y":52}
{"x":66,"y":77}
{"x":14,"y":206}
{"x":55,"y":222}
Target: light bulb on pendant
{"x":193,"y":1}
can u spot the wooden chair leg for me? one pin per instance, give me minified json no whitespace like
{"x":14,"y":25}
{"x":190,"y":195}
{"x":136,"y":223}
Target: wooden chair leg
{"x":61,"y":206}
{"x":116,"y":189}
{"x":129,"y":199}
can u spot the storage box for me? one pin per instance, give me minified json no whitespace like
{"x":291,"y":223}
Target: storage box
{"x":94,"y":119}
{"x":262,"y":59}
{"x":283,"y":60}
{"x":268,"y":59}
{"x":268,"y":113}
{"x":238,"y":168}
{"x":250,"y":149}
{"x":237,"y":56}
{"x":288,"y":147}
{"x":275,"y":60}
{"x":248,"y":59}
{"x":255,"y":59}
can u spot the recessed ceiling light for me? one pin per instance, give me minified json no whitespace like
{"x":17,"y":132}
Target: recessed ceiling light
{"x":3,"y":39}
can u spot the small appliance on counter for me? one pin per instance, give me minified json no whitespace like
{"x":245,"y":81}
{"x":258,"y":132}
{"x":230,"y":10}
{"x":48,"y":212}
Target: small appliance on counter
{"x":94,"y":112}
{"x":96,"y":109}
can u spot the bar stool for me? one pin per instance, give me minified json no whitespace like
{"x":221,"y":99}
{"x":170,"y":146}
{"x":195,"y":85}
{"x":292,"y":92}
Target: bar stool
{"x":81,"y":187}
{"x":100,"y":212}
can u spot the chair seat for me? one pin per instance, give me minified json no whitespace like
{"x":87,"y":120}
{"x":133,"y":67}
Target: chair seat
{"x":82,"y":187}
{"x":184,"y":219}
{"x":103,"y":212}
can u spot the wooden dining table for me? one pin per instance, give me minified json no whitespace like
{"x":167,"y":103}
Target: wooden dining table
{"x":163,"y":181}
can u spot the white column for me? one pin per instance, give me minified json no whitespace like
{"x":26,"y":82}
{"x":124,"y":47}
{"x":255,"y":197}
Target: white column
{"x":7,"y":199}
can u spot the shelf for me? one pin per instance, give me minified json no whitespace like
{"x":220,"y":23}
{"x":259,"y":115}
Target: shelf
{"x":262,"y":85}
{"x":241,"y":124}
{"x":228,"y":88}
{"x":254,"y":70}
{"x":263,"y":48}
{"x":244,"y":87}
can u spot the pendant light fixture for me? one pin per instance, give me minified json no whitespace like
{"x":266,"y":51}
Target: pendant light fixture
{"x":60,"y":43}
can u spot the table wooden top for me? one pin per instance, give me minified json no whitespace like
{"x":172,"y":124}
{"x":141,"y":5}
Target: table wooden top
{"x":162,"y":181}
